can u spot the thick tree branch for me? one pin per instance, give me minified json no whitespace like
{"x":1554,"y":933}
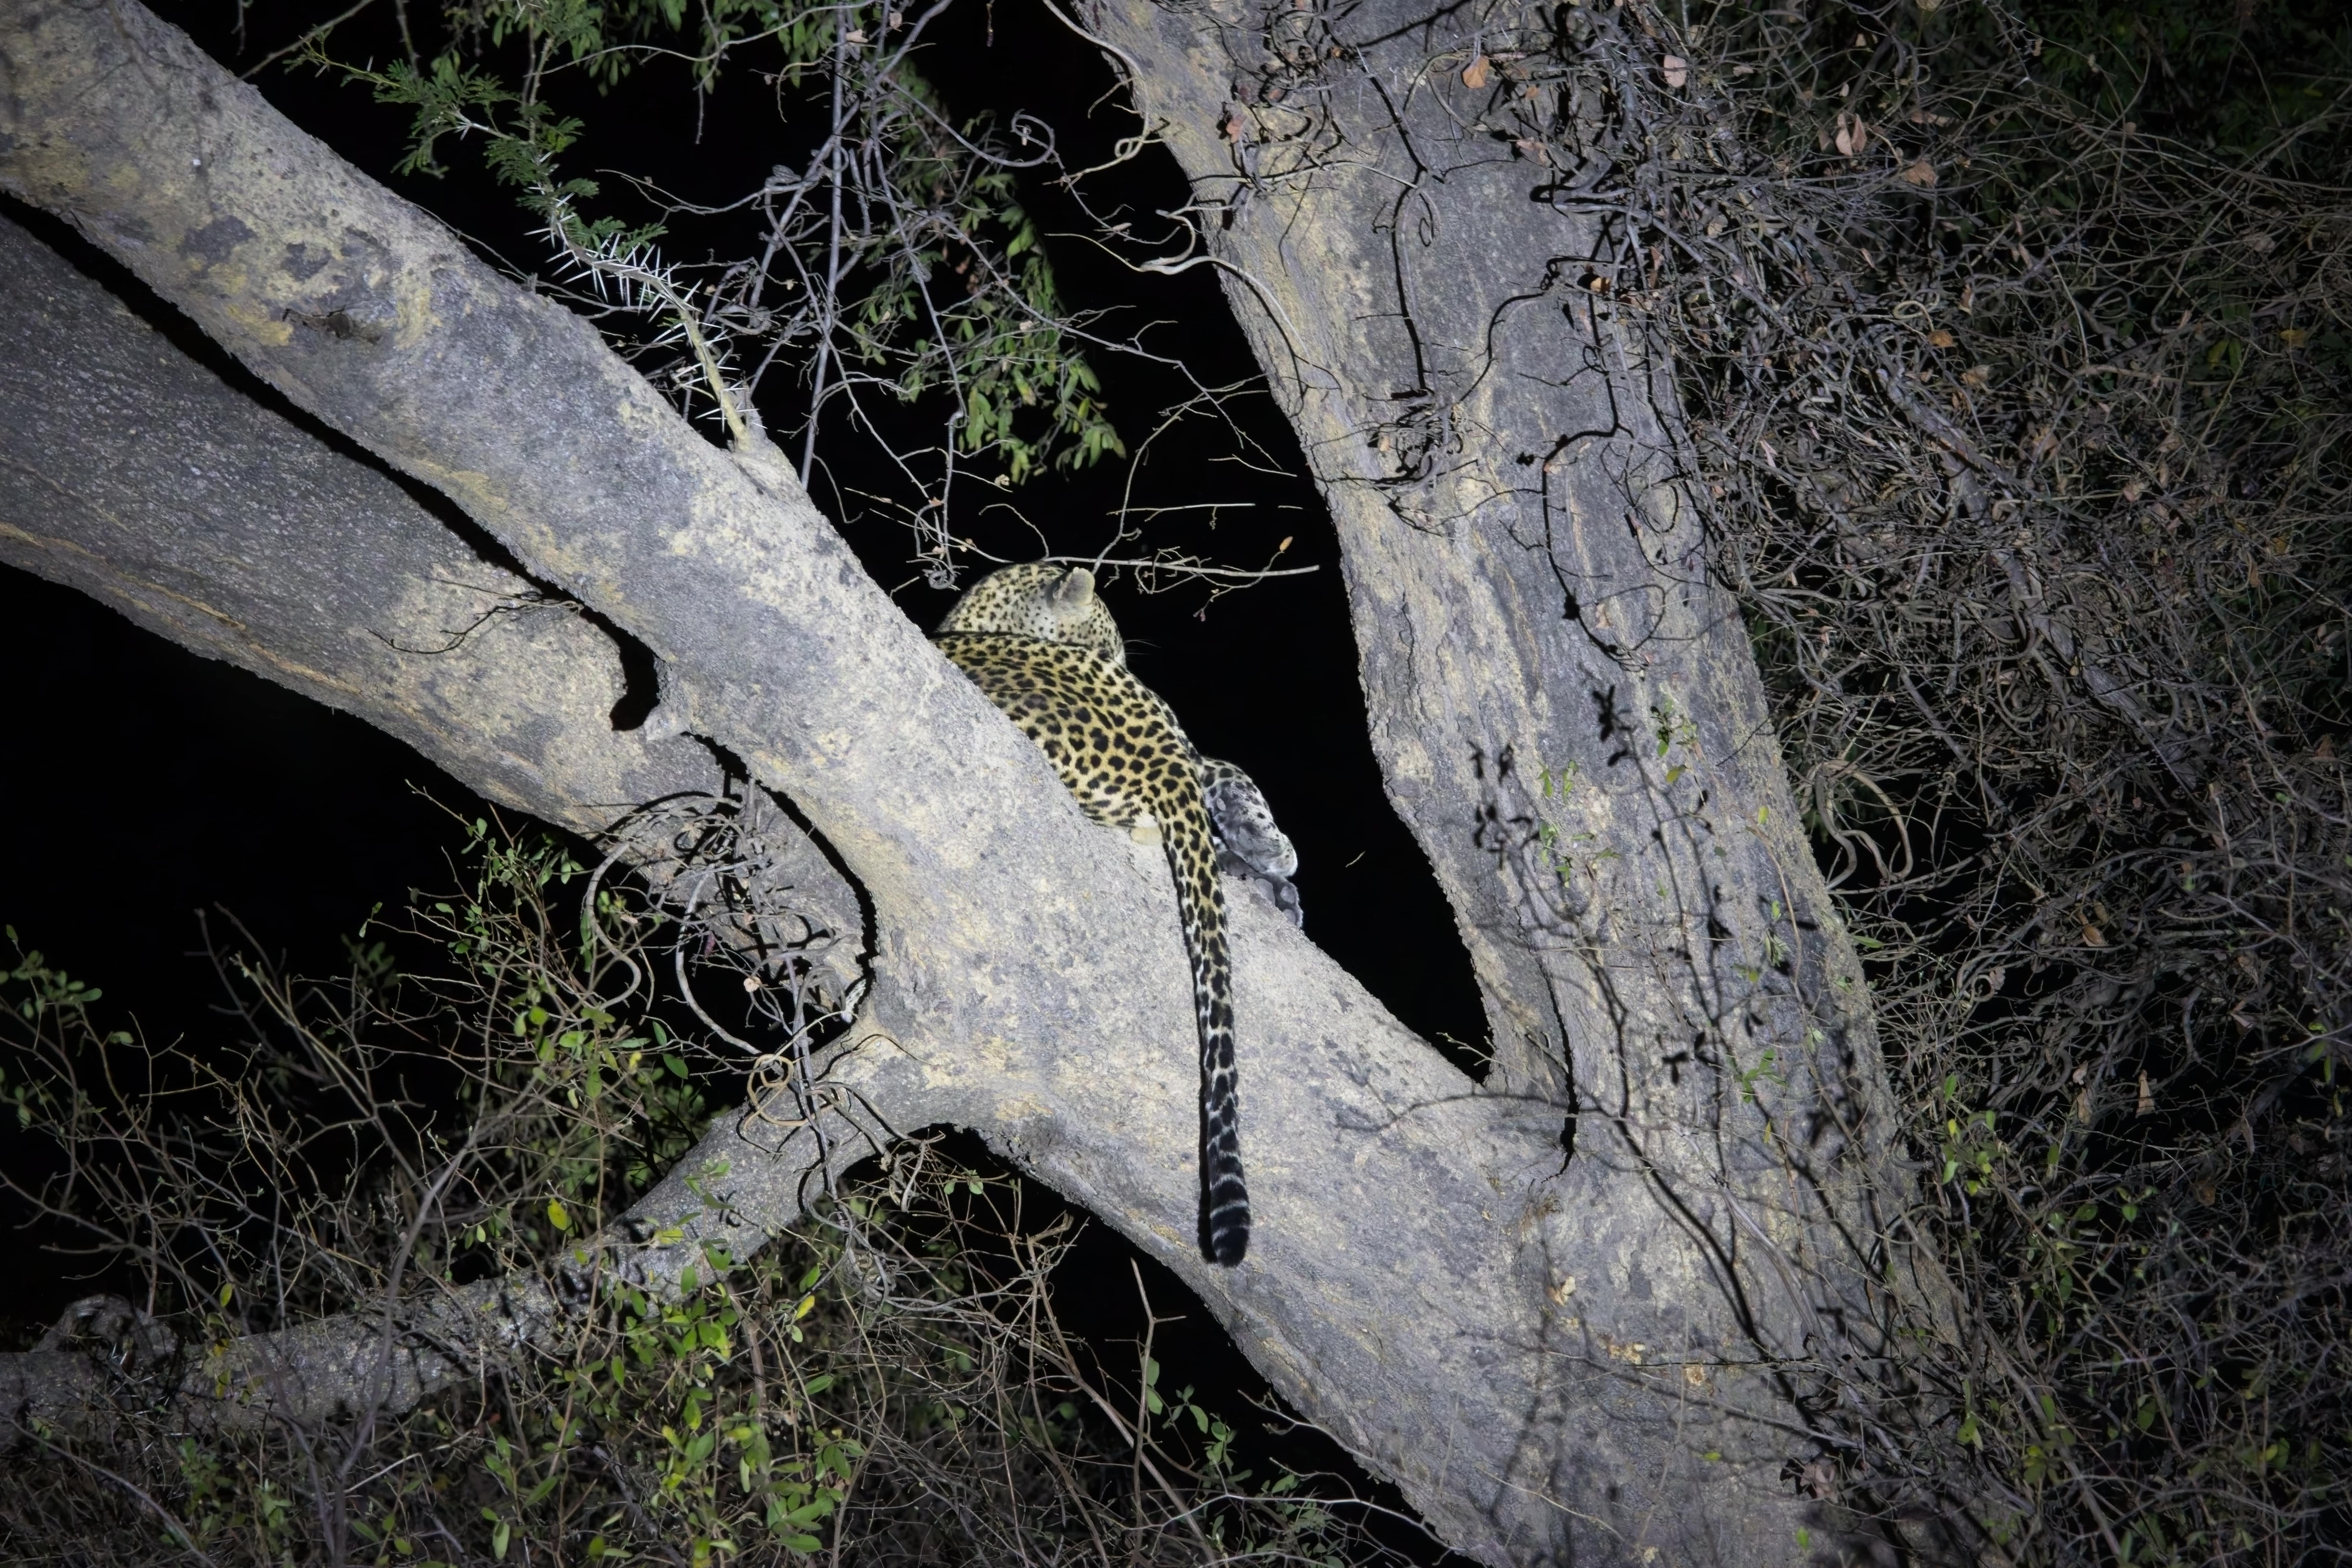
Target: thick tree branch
{"x":145,"y":480}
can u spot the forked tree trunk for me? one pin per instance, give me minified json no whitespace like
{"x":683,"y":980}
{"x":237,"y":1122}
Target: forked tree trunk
{"x":1601,"y":1355}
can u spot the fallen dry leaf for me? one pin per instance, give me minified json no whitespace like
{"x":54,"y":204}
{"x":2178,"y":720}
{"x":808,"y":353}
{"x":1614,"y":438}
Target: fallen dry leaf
{"x":1473,"y":75}
{"x":1941,"y":339}
{"x":1921,"y":174}
{"x":1853,"y":134}
{"x":1676,"y":69}
{"x":2146,"y":1097}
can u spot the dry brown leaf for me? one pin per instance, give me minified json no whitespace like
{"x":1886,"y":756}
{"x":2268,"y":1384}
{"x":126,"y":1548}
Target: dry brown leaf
{"x":1473,"y":75}
{"x":1941,"y":339}
{"x":2146,"y":1097}
{"x":1853,"y":134}
{"x":1676,"y":69}
{"x":1921,"y":174}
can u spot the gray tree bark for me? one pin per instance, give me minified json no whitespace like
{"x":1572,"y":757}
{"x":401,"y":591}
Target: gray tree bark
{"x":1608,"y":1358}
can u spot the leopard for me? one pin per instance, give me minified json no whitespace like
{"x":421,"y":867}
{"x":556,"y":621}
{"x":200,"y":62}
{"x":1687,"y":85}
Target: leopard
{"x":1038,"y":641}
{"x":1060,"y":605}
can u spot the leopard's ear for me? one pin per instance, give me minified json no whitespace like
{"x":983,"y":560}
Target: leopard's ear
{"x":1076,"y":591}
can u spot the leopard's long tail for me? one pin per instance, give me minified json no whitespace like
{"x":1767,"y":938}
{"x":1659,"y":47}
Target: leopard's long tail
{"x":1201,"y":902}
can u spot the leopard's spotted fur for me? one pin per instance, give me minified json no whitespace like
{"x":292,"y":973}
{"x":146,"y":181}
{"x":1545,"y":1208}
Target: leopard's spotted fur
{"x":1041,"y":645}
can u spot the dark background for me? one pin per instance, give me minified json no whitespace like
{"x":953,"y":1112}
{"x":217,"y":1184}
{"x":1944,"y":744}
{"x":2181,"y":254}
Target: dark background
{"x":147,"y":786}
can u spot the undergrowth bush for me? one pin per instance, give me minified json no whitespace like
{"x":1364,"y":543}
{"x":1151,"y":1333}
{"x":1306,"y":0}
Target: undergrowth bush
{"x":2015,"y":346}
{"x":892,"y":1384}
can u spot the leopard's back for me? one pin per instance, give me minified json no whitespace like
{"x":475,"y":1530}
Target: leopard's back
{"x":1119,"y":750}
{"x":1114,"y":742}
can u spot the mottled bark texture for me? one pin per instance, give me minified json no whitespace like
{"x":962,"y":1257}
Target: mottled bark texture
{"x":1584,"y":1360}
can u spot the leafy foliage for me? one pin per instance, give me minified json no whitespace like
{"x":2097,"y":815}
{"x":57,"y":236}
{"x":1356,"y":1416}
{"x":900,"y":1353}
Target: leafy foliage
{"x":897,"y":260}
